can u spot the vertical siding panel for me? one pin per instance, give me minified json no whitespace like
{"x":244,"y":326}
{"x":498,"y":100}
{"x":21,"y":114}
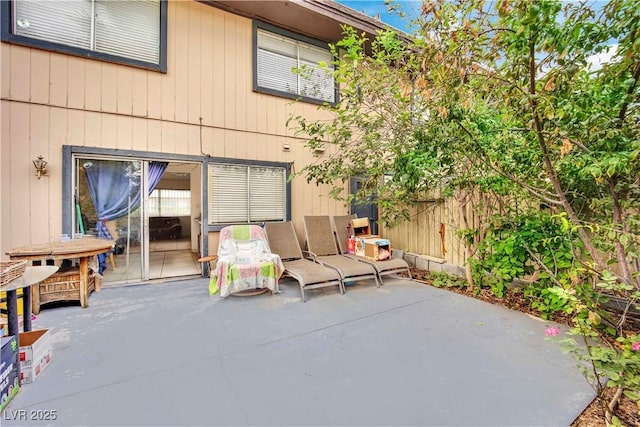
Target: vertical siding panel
{"x":140,"y":94}
{"x":38,"y":194}
{"x":75,"y":82}
{"x":182,"y":64}
{"x":181,"y":139}
{"x":21,"y":170}
{"x":39,"y":76}
{"x":5,"y":73}
{"x":5,"y":165}
{"x":93,"y":85}
{"x":168,"y":139}
{"x":92,"y":123}
{"x":193,"y":140}
{"x":109,"y":88}
{"x":272,"y":113}
{"x":195,"y":63}
{"x":154,"y":95}
{"x":109,"y":132}
{"x":260,"y":112}
{"x":274,"y":148}
{"x":58,"y":80}
{"x":294,"y":111}
{"x":207,"y":71}
{"x":219,"y":67}
{"x":230,"y":72}
{"x":20,"y":61}
{"x":168,"y":96}
{"x":125,"y":89}
{"x":57,"y":127}
{"x":139,"y":134}
{"x":243,"y":70}
{"x":241,"y":145}
{"x":154,"y":135}
{"x":75,"y":127}
{"x":229,"y":143}
{"x":124,"y":133}
{"x":251,"y":111}
{"x":209,"y":141}
{"x":168,"y":80}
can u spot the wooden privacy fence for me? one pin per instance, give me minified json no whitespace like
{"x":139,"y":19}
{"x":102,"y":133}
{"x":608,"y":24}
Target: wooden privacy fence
{"x":433,"y":230}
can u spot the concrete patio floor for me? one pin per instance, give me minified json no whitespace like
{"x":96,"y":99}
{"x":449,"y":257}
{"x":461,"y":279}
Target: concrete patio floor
{"x":403,"y":354}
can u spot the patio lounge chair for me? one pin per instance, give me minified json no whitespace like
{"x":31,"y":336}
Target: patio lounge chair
{"x":384,"y":268}
{"x":322,"y":246}
{"x":310,"y":275}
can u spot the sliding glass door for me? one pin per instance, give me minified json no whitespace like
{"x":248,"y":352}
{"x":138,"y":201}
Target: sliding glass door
{"x":109,"y":198}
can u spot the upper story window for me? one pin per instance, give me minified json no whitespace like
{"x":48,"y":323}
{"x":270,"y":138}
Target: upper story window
{"x":289,"y":65}
{"x":132,"y":32}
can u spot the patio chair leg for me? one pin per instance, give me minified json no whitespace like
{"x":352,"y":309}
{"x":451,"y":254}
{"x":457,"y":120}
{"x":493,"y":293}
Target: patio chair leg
{"x":302,"y":291}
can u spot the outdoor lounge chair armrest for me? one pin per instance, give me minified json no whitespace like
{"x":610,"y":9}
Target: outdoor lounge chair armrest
{"x":309,"y":255}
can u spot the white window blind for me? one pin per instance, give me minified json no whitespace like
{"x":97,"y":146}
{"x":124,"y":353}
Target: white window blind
{"x":128,"y":29}
{"x":64,"y":22}
{"x":277,"y":59}
{"x":244,"y":194}
{"x":166,"y":202}
{"x":267,"y":194}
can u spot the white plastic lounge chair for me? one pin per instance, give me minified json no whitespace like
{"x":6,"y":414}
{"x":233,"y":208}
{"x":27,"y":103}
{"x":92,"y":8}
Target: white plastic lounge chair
{"x":310,"y":275}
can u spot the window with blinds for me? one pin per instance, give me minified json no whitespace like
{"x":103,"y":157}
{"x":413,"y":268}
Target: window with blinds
{"x":127,"y":29}
{"x":240,"y":194}
{"x":291,"y":67}
{"x":165,"y":202}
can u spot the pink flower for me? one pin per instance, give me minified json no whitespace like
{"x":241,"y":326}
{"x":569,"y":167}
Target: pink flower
{"x":635,"y":346}
{"x":552,"y":331}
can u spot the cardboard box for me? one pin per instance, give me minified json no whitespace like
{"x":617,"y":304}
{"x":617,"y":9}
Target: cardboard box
{"x":374,"y":249}
{"x":29,"y":375}
{"x":36,"y":351}
{"x":360,"y":226}
{"x":9,"y":381}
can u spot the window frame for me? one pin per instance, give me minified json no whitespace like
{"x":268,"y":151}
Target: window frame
{"x":7,"y":34}
{"x":248,"y":163}
{"x":160,"y":192}
{"x":259,"y":25}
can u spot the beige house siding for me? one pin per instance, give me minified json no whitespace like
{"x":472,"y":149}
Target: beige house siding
{"x":51,"y":99}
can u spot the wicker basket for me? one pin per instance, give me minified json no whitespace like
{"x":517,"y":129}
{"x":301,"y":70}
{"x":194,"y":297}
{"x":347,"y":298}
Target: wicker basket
{"x":11,"y":270}
{"x":61,"y":286}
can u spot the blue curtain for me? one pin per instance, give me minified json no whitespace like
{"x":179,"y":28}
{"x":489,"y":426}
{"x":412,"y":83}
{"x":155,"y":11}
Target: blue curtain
{"x":114,"y":187}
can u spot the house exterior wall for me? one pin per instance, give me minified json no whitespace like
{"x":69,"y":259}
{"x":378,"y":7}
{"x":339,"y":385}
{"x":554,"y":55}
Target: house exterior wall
{"x":49,"y":100}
